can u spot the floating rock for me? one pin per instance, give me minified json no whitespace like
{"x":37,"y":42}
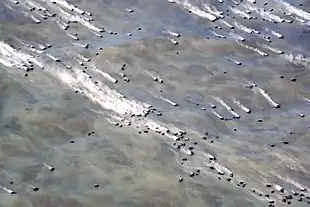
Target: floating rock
{"x":169,"y":101}
{"x":235,"y":61}
{"x":12,"y":192}
{"x":129,"y":10}
{"x":174,"y":34}
{"x":51,"y":168}
{"x":289,"y":197}
{"x":301,"y":114}
{"x":279,"y":188}
{"x":174,"y":41}
{"x":242,"y":184}
{"x":53,"y":58}
{"x":36,"y":20}
{"x":211,"y":157}
{"x":35,"y":189}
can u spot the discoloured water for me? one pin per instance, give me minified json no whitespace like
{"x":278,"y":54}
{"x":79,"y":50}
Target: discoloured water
{"x":102,"y":106}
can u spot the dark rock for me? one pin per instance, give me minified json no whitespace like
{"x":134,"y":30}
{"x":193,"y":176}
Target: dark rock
{"x":35,"y":189}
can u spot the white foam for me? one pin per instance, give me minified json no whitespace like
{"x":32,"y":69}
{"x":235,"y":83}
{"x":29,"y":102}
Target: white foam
{"x":217,"y":115}
{"x":220,"y":168}
{"x":174,"y":41}
{"x":267,"y":97}
{"x":227,"y":24}
{"x":240,"y":13}
{"x":213,"y":10}
{"x":253,"y":49}
{"x":174,"y":34}
{"x":244,"y":108}
{"x":196,"y":10}
{"x":294,"y":183}
{"x":65,"y":15}
{"x":218,"y":35}
{"x":236,"y":115}
{"x":235,"y":61}
{"x":65,"y":4}
{"x":169,"y":101}
{"x":106,"y":97}
{"x":73,"y":36}
{"x":36,"y":20}
{"x":264,"y":14}
{"x":273,"y":49}
{"x":237,"y":37}
{"x":105,"y":75}
{"x":235,"y":2}
{"x":299,"y":12}
{"x":264,"y":37}
{"x":53,"y":57}
{"x":13,"y":58}
{"x":298,"y":59}
{"x":243,"y":28}
{"x":277,"y":34}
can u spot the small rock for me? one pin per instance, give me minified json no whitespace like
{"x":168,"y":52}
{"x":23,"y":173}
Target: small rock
{"x":35,"y":189}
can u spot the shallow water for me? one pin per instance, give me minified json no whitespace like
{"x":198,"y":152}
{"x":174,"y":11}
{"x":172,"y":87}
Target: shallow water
{"x":96,"y":121}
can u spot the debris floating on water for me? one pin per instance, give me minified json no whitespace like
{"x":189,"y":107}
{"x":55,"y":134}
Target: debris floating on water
{"x":51,"y":168}
{"x":268,"y":98}
{"x":36,"y":20}
{"x":174,"y":41}
{"x":217,"y":115}
{"x":244,"y":108}
{"x":235,"y":114}
{"x":235,"y":61}
{"x":174,"y":34}
{"x":53,"y":58}
{"x":279,"y":188}
{"x":12,"y":192}
{"x":169,"y":101}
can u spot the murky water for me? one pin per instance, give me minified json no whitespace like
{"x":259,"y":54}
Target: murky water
{"x":154,"y":103}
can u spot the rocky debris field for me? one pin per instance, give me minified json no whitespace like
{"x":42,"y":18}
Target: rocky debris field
{"x":154,"y":103}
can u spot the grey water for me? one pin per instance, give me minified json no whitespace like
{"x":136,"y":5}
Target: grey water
{"x":77,"y":131}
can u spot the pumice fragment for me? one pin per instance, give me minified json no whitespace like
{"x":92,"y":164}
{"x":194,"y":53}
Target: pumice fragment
{"x":51,"y":168}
